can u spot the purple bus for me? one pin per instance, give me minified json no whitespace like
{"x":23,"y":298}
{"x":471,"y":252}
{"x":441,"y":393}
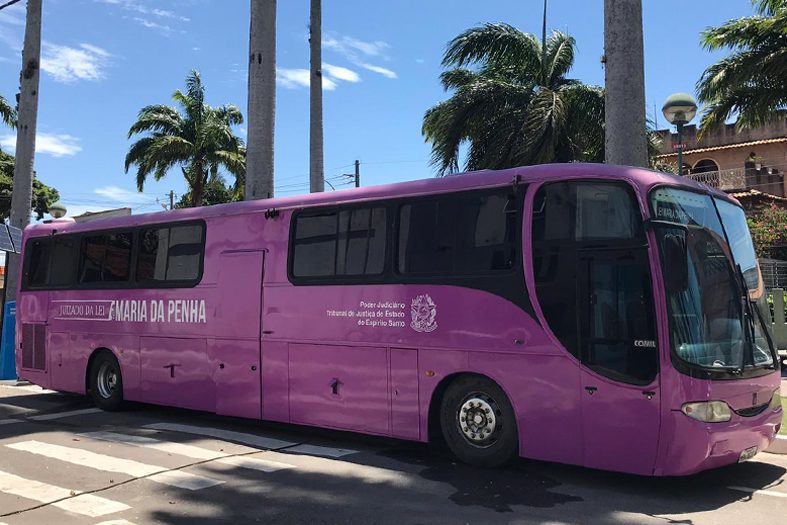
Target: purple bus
{"x":603,"y":316}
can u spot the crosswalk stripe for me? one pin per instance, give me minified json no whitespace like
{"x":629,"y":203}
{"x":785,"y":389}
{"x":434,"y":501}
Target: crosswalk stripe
{"x":85,"y":504}
{"x":60,"y":415}
{"x":315,"y":450}
{"x":190,"y":451}
{"x":227,"y":435}
{"x":106,"y":463}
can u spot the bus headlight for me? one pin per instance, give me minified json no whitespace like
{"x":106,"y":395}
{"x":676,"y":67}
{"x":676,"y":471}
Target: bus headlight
{"x":708,"y":411}
{"x":776,"y":400}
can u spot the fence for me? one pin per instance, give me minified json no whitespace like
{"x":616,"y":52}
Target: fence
{"x":774,"y":273}
{"x":777,"y":299}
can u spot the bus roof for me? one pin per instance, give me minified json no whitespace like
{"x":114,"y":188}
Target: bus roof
{"x":644,"y":179}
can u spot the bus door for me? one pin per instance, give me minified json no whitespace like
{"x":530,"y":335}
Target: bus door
{"x":235,"y":353}
{"x":620,"y":396}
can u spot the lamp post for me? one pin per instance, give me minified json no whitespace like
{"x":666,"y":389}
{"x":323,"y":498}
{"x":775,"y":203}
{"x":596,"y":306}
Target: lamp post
{"x":57,"y":210}
{"x":679,"y":109}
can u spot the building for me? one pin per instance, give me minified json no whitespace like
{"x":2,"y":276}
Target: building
{"x":749,"y":163}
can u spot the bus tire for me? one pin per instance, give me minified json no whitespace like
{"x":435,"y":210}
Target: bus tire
{"x":106,"y":382}
{"x":478,"y":422}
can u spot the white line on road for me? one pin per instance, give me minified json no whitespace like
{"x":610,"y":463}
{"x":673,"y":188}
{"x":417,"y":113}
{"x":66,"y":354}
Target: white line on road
{"x":760,"y":491}
{"x":112,"y":522}
{"x":227,"y":435}
{"x":60,"y":415}
{"x":106,"y":463}
{"x":9,"y":422}
{"x":189,"y":451}
{"x":314,"y":450}
{"x":85,"y":504}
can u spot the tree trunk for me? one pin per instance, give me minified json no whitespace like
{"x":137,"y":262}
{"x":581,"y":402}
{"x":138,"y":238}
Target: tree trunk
{"x":199,"y":178}
{"x":22,"y":193}
{"x":625,"y":132}
{"x":316,"y":170}
{"x":262,"y":100}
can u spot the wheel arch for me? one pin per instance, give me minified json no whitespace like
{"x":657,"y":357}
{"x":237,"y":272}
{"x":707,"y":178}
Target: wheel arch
{"x":95,"y":353}
{"x":434,"y":434}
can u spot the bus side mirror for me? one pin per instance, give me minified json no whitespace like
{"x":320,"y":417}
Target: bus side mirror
{"x":676,"y":279}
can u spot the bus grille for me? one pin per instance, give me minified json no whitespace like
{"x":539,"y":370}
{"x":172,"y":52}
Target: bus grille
{"x":34,"y":346}
{"x":752,"y":411}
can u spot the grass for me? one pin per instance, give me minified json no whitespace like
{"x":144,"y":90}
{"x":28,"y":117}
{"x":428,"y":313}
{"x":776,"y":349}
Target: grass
{"x":784,"y":416}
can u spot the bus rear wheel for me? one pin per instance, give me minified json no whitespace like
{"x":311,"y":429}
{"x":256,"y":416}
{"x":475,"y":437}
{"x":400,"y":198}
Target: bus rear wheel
{"x":106,"y":382}
{"x":478,"y":422}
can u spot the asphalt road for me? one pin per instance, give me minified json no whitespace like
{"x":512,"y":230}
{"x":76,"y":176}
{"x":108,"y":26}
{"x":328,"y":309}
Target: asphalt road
{"x":63,"y":462}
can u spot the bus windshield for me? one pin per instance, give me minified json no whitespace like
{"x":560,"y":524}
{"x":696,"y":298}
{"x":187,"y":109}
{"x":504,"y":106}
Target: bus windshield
{"x":713,"y":322}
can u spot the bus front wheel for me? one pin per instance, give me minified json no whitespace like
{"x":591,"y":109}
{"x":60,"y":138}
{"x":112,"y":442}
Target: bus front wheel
{"x":106,"y":382}
{"x":478,"y":422}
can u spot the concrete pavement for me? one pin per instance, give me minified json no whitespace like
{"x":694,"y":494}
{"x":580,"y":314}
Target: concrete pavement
{"x":63,"y":462}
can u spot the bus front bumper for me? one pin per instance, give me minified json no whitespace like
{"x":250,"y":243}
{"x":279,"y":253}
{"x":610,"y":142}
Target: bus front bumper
{"x":696,"y":446}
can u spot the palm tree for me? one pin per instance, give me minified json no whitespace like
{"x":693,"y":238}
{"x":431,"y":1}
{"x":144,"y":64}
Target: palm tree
{"x":262,"y":99}
{"x":752,"y":81}
{"x":198,"y":139}
{"x":516,"y":106}
{"x":7,"y":113}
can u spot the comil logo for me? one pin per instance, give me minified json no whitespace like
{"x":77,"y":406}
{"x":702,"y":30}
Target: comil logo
{"x":424,"y":314}
{"x":644,"y":343}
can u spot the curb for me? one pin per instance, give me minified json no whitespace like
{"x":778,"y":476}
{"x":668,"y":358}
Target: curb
{"x":14,"y":382}
{"x":779,"y":445}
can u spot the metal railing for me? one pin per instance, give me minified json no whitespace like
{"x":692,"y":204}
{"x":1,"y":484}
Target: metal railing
{"x":777,"y":299}
{"x":734,"y":179}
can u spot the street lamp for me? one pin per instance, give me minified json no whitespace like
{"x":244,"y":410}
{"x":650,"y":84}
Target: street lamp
{"x":57,"y":210}
{"x":679,"y":109}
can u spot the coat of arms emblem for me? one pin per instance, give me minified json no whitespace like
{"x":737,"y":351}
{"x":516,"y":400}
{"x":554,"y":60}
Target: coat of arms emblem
{"x":423,"y":313}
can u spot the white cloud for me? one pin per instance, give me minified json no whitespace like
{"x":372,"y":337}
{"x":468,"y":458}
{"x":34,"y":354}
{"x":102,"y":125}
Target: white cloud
{"x":352,"y":47}
{"x":124,"y":196}
{"x":340,"y":73}
{"x":420,"y":60}
{"x":135,"y":6}
{"x":57,"y":145}
{"x":69,"y":64}
{"x":381,"y":70}
{"x":295,"y":78}
{"x":163,"y":29}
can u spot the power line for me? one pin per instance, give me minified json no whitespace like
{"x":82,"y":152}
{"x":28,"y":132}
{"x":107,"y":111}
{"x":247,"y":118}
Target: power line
{"x":8,"y":4}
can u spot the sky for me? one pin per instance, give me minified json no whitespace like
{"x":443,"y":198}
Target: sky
{"x":103,"y":60}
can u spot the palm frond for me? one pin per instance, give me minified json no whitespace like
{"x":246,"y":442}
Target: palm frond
{"x":7,"y":113}
{"x":494,"y":43}
{"x":560,"y":57}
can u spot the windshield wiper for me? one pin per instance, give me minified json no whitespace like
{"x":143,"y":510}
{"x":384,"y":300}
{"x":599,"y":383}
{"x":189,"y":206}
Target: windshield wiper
{"x":748,"y":319}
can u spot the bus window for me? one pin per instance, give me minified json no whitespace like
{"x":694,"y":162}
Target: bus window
{"x":64,"y":261}
{"x":170,"y":254}
{"x":38,"y":271}
{"x":339,"y":243}
{"x":458,"y":235}
{"x":105,"y":258}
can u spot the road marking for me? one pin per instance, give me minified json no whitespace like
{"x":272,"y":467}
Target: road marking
{"x":85,"y":504}
{"x":227,"y":435}
{"x":106,"y":463}
{"x":314,"y":450}
{"x":189,"y":451}
{"x":760,"y":491}
{"x":9,"y":422}
{"x":112,"y":522}
{"x":60,"y":415}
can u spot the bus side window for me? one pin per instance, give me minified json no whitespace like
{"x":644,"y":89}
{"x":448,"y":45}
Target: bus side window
{"x":38,"y":271}
{"x":170,"y":254}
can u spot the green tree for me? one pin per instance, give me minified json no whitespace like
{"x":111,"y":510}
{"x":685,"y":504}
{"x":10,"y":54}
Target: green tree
{"x":198,"y":139}
{"x":769,"y":232}
{"x":512,"y":103}
{"x":216,"y":192}
{"x":7,"y":113}
{"x":752,"y":81}
{"x":43,"y":195}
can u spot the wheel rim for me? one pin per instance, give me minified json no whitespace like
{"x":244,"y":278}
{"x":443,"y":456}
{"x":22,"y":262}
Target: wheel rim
{"x":106,"y":380}
{"x":479,"y":419}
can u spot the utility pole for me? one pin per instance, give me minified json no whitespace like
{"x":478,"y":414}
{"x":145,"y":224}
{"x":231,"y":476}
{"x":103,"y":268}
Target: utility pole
{"x":22,"y":193}
{"x":261,"y":114}
{"x":357,"y":174}
{"x":171,"y":200}
{"x":624,"y":91}
{"x":316,"y":168}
